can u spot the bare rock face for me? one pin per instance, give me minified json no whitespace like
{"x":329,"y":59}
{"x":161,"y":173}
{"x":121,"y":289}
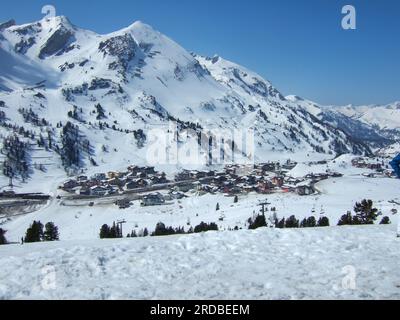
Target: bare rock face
{"x":123,"y":48}
{"x":58,"y":40}
{"x":24,"y":45}
{"x":7,"y":24}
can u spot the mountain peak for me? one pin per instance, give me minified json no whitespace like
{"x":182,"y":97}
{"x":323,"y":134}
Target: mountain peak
{"x":294,"y":98}
{"x":57,"y":21}
{"x":7,"y":24}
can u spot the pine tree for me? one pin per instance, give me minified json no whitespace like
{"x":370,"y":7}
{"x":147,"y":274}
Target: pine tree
{"x":145,"y":232}
{"x":217,"y":207}
{"x":311,"y":222}
{"x":292,"y":222}
{"x":17,"y":157}
{"x":236,"y":199}
{"x":365,"y":212}
{"x":3,"y":239}
{"x":71,"y":149}
{"x":34,"y":233}
{"x":258,"y":222}
{"x":346,"y":219}
{"x":100,"y":112}
{"x":105,"y":232}
{"x":385,"y":220}
{"x":51,"y":232}
{"x":281,"y":224}
{"x":323,"y":222}
{"x":204,"y":227}
{"x":160,"y":230}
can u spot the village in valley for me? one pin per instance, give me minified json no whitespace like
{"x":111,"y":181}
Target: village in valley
{"x":155,"y":188}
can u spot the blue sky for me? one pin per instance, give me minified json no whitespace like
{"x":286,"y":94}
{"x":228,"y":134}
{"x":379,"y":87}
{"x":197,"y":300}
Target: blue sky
{"x":298,"y":45}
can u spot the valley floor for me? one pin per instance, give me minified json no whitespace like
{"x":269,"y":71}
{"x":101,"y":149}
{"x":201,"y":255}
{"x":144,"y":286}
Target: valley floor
{"x":322,"y":263}
{"x":360,"y":262}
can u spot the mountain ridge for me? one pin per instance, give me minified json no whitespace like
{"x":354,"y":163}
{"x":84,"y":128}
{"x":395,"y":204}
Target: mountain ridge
{"x":115,"y":86}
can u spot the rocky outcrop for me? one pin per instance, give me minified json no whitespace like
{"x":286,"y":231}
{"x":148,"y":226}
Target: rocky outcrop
{"x":7,"y":24}
{"x":123,"y":48}
{"x":59,"y":39}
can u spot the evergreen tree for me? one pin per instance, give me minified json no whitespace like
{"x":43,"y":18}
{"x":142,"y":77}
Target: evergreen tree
{"x":281,"y":224}
{"x":385,"y":220}
{"x":258,"y":222}
{"x":346,"y":219}
{"x":34,"y":233}
{"x":365,"y":212}
{"x":204,"y":227}
{"x":236,"y":199}
{"x":160,"y":230}
{"x":17,"y":157}
{"x":145,"y":232}
{"x":3,"y":239}
{"x":292,"y":222}
{"x":217,"y":207}
{"x":323,"y":222}
{"x":100,"y":112}
{"x":105,"y":232}
{"x":71,"y":149}
{"x":115,"y":231}
{"x":311,"y":222}
{"x":51,"y":232}
{"x":303,"y":223}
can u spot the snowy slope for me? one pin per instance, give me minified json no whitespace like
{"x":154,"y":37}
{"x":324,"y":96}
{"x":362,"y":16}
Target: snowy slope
{"x":335,"y":197}
{"x":142,"y":79}
{"x":323,"y":263}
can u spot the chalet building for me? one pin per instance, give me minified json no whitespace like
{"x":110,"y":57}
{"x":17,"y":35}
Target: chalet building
{"x":289,"y":165}
{"x":82,"y":178}
{"x":159,"y":179}
{"x":98,"y":191}
{"x":207,"y":180}
{"x":183,"y":176}
{"x":131,"y":185}
{"x":304,"y":190}
{"x":114,"y":174}
{"x":123,"y":203}
{"x":155,"y":199}
{"x":84,"y":191}
{"x":248,"y":188}
{"x":268,"y":167}
{"x":232,"y":189}
{"x":265,"y":186}
{"x":135,"y":184}
{"x":186,"y":187}
{"x":278,"y":181}
{"x":116,"y":182}
{"x":70,"y":184}
{"x":374,"y":166}
{"x":111,"y":189}
{"x":220,"y":179}
{"x":173,"y":195}
{"x":99,"y":177}
{"x":142,"y":170}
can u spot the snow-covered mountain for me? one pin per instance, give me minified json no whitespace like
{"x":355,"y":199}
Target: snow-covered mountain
{"x":385,"y":118}
{"x":378,"y":126}
{"x":113,"y":88}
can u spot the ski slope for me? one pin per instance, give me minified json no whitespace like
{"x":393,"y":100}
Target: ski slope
{"x":261,"y":264}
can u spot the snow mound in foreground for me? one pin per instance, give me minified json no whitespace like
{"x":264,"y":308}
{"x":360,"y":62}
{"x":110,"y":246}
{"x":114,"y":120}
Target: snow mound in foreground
{"x":264,"y":264}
